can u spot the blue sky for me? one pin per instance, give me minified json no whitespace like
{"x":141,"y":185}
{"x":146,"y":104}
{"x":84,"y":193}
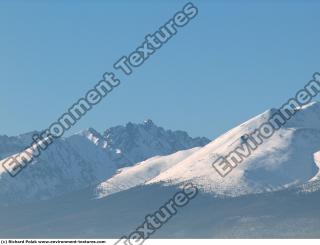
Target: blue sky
{"x":234,"y":60}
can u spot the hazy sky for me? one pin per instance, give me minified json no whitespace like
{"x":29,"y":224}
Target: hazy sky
{"x":234,"y":60}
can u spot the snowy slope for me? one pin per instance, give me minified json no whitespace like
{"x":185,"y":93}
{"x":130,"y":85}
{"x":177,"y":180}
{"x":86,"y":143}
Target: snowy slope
{"x":140,"y":173}
{"x":283,"y":160}
{"x":314,"y":184}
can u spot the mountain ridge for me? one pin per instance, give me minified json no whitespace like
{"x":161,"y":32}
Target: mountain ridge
{"x":86,"y":158}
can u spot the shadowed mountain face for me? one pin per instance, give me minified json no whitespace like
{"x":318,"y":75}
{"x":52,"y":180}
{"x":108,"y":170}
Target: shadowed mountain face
{"x":138,"y":142}
{"x":13,"y":144}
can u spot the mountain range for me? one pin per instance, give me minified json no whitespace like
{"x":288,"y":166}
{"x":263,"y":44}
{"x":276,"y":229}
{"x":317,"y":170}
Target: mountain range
{"x":86,"y":158}
{"x":103,"y":185}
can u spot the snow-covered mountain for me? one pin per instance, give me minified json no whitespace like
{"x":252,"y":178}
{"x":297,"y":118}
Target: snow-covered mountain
{"x":288,"y":158}
{"x":285,"y":159}
{"x":62,"y":168}
{"x":85,"y":159}
{"x":273,"y":193}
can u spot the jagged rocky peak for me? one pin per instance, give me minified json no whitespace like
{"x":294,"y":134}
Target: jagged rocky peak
{"x":140,"y":141}
{"x":149,"y":131}
{"x":92,"y":131}
{"x":148,"y":123}
{"x":92,"y":135}
{"x":135,"y":142}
